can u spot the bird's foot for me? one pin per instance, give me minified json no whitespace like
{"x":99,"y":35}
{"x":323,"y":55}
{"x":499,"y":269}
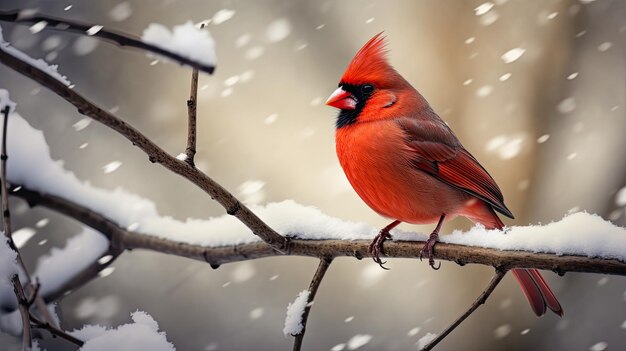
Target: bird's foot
{"x":376,"y":247}
{"x":427,"y":250}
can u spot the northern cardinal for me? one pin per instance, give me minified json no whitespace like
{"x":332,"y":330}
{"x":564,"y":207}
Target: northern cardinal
{"x":407,"y":165}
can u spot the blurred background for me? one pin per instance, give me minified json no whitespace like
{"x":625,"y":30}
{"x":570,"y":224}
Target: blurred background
{"x":535,"y":90}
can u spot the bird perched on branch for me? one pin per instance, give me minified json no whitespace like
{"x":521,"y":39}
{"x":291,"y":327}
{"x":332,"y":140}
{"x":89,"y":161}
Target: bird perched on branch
{"x":407,"y":165}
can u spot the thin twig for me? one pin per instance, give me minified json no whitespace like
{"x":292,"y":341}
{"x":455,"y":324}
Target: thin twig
{"x":155,"y":154}
{"x":315,"y":284}
{"x":192,"y":105}
{"x":37,"y":323}
{"x":22,"y":303}
{"x":114,"y":37}
{"x":479,"y":301}
{"x":34,"y":291}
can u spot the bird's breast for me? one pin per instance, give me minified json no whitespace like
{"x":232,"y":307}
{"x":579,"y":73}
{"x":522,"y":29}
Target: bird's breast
{"x":377,"y":163}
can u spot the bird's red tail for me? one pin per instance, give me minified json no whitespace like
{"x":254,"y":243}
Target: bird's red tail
{"x":537,"y":291}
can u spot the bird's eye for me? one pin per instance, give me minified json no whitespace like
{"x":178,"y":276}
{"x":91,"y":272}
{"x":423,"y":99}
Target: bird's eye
{"x":367,"y":89}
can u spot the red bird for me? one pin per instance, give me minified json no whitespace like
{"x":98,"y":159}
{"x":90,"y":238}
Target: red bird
{"x":407,"y":164}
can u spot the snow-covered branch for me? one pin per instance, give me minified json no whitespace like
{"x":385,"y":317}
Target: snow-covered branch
{"x":408,"y":247}
{"x":152,"y":43}
{"x":155,"y":153}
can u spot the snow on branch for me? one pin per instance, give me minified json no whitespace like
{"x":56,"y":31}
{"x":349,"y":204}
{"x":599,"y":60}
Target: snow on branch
{"x":52,"y":70}
{"x":295,"y":310}
{"x":186,"y":39}
{"x":198,"y":55}
{"x":142,"y":334}
{"x":60,"y":265}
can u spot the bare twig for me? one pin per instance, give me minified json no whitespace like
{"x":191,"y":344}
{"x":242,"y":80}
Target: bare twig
{"x":114,"y":37}
{"x":22,"y":303}
{"x":155,"y":153}
{"x":192,"y":106}
{"x":34,"y":291}
{"x":315,"y":283}
{"x":479,"y":301}
{"x":37,"y":323}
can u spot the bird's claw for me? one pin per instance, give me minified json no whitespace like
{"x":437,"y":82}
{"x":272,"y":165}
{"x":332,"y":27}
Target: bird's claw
{"x":376,"y":248}
{"x":427,"y":251}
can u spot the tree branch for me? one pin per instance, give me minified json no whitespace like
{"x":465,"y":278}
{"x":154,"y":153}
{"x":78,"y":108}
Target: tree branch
{"x":155,"y":153}
{"x":479,"y":301}
{"x":123,"y":239}
{"x":315,"y":284}
{"x":22,"y":301}
{"x":115,"y":37}
{"x":55,"y":331}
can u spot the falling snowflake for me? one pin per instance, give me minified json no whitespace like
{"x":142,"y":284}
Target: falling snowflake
{"x":111,"y":166}
{"x":278,"y":30}
{"x":512,"y":55}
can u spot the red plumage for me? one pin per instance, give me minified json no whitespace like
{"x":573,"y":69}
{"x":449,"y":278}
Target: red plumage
{"x":406,"y":163}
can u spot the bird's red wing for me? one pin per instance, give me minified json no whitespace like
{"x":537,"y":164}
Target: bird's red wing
{"x":438,"y":153}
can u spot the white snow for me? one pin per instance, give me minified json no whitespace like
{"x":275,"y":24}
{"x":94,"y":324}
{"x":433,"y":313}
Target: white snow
{"x":600,"y":346}
{"x":270,"y":119}
{"x":483,"y":8}
{"x":38,"y":63}
{"x":22,"y":236}
{"x":512,"y":55}
{"x":424,"y":340}
{"x":567,"y":105}
{"x":252,"y":191}
{"x":186,"y":40}
{"x":502,"y":331}
{"x":82,"y":124}
{"x":254,"y":52}
{"x":506,"y":146}
{"x":413,"y":331}
{"x":358,"y":340}
{"x":111,"y":166}
{"x":84,"y":45}
{"x":142,"y":334}
{"x":257,"y":313}
{"x":542,"y":139}
{"x":605,"y":46}
{"x":293,"y":320}
{"x":38,"y":27}
{"x":243,"y":272}
{"x":504,"y":77}
{"x":484,"y":91}
{"x":94,"y":30}
{"x":62,"y":264}
{"x":222,"y":16}
{"x":121,"y":12}
{"x":278,"y":30}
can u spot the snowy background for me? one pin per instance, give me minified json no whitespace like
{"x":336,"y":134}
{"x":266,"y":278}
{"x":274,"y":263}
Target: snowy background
{"x":534,"y":89}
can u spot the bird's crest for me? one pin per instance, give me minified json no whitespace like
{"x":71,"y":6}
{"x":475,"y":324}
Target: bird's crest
{"x":370,"y":64}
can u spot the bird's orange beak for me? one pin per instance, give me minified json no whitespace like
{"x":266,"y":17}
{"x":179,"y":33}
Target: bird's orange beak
{"x":341,"y":99}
